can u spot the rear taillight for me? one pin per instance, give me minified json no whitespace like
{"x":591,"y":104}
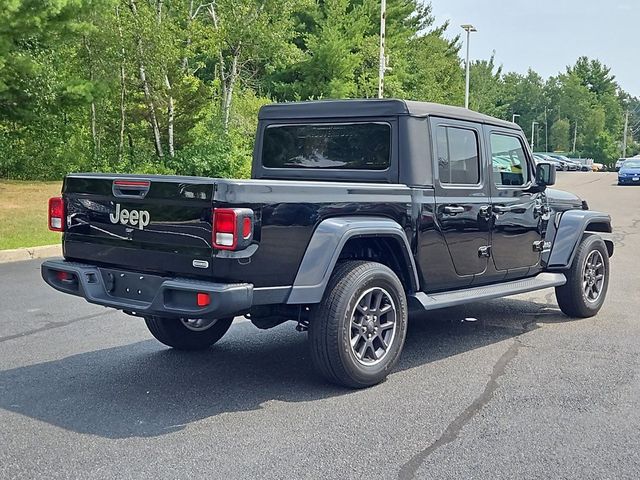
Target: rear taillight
{"x":232,"y":228}
{"x":224,"y":229}
{"x":56,"y":214}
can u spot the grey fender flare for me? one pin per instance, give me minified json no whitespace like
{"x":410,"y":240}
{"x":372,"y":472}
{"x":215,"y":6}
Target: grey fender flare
{"x":325,"y":247}
{"x":573,"y":224}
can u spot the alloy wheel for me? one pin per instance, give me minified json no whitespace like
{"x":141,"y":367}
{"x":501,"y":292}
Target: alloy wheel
{"x":198,"y":324}
{"x":593,"y":276}
{"x":373,"y":326}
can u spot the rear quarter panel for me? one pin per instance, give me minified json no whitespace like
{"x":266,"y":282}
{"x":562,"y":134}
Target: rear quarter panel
{"x":287,"y":214}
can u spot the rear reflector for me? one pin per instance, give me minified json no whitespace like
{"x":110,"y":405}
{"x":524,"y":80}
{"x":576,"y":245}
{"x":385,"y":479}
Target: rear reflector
{"x":56,"y":214}
{"x":203,"y":299}
{"x":63,"y":276}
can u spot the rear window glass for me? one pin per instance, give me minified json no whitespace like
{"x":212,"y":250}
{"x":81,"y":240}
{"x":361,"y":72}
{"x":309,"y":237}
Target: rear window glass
{"x":458,"y":158}
{"x":345,"y":146}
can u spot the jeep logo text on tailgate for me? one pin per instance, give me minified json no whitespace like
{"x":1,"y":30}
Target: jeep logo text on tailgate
{"x":135,"y":218}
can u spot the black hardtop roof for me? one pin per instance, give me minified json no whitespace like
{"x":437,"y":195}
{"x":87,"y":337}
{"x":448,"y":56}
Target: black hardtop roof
{"x":373,"y":107}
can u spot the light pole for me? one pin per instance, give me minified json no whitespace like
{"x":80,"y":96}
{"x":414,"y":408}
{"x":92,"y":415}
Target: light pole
{"x":546,"y":131}
{"x":513,"y":118}
{"x":383,"y":67}
{"x":533,"y":129}
{"x":468,"y":29}
{"x":626,"y":132}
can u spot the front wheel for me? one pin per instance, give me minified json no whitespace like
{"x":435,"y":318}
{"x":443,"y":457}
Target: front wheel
{"x":587,"y":280}
{"x":358,"y":330}
{"x":188,"y":334}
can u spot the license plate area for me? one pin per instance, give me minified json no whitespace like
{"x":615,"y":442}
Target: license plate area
{"x":131,"y":285}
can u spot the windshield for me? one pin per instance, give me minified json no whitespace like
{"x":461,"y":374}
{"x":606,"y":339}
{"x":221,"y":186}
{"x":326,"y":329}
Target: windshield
{"x":631,"y":164}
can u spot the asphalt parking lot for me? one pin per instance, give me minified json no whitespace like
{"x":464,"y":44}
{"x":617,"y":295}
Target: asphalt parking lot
{"x":522,"y":392}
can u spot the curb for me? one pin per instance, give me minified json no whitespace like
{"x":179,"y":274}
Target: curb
{"x":30,"y":253}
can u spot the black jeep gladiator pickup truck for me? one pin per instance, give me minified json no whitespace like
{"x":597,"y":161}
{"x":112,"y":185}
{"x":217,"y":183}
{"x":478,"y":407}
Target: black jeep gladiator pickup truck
{"x":358,"y":211}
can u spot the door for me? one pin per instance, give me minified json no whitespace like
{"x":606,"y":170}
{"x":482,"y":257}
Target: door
{"x":462,"y":196}
{"x":517,"y":236}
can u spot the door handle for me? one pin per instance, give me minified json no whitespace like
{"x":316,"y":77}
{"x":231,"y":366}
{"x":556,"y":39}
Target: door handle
{"x":500,"y":209}
{"x":450,"y":210}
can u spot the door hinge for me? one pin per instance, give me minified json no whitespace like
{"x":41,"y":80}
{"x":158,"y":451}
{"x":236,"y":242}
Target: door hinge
{"x":538,"y":246}
{"x":484,"y":251}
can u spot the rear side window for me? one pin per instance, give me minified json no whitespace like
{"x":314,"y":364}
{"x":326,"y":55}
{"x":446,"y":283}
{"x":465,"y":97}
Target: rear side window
{"x":342,"y":146}
{"x":508,"y":160}
{"x":458,"y":157}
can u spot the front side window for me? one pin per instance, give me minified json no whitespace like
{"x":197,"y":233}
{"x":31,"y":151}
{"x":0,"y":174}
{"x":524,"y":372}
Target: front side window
{"x":458,"y":158}
{"x":509,"y":160}
{"x":346,"y":146}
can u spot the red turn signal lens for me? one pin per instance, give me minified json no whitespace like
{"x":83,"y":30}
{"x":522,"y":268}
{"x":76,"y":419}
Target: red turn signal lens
{"x":203,"y":299}
{"x":56,"y":214}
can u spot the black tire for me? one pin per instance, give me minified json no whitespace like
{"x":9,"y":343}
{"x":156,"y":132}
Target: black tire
{"x":572,"y":298}
{"x":173,"y":333}
{"x":330,"y":325}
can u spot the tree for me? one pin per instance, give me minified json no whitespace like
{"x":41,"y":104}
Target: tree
{"x":338,"y":48}
{"x":249,"y":34}
{"x":486,"y":88}
{"x":559,"y":135}
{"x":434,"y":72}
{"x":174,"y":86}
{"x":524,"y":95}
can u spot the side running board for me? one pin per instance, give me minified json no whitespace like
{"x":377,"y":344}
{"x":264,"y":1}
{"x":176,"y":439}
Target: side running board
{"x":432,"y":301}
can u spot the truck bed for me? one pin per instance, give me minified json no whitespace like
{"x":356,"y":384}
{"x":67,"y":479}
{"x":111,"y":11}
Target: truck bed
{"x":176,"y":241}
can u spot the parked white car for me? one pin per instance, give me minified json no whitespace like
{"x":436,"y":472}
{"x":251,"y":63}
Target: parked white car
{"x":622,"y":160}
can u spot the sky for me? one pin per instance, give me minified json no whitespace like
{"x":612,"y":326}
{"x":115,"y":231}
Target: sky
{"x":548,"y":35}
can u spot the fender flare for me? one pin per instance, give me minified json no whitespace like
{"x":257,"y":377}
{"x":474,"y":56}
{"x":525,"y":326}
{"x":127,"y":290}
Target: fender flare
{"x":573,"y":224}
{"x":325,"y":247}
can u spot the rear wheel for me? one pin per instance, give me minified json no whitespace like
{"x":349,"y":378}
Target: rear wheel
{"x":357,"y":332}
{"x":188,"y":334}
{"x":587,"y":280}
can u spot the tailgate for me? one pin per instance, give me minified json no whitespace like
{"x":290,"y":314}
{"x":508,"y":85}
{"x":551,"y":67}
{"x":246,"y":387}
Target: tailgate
{"x":147,"y":223}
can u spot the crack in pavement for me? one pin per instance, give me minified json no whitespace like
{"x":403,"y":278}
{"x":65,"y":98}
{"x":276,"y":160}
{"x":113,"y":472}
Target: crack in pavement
{"x":51,"y":326}
{"x":410,"y":468}
{"x":619,"y":235}
{"x":451,"y":433}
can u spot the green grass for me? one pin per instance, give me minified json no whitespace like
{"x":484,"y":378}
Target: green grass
{"x":23,"y":213}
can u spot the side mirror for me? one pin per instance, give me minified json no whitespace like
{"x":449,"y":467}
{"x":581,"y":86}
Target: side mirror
{"x":545,"y":174}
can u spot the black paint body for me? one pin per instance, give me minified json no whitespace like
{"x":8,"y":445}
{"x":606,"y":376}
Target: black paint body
{"x":290,"y":204}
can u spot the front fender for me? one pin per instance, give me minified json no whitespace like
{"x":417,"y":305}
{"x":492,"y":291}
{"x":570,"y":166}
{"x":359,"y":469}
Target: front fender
{"x":325,"y":247}
{"x":568,"y":232}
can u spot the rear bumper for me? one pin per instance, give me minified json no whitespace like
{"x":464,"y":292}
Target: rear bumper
{"x":143,"y":294}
